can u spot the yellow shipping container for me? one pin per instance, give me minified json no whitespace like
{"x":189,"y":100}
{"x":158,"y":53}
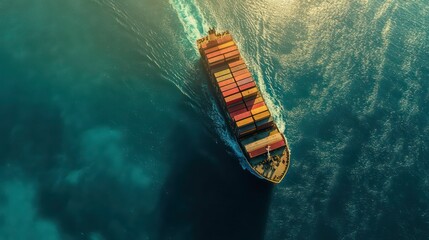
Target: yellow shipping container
{"x":221,"y":73}
{"x":220,"y":79}
{"x":245,"y":122}
{"x":259,"y":110}
{"x":261,"y":116}
{"x":225,"y":45}
{"x":249,"y":92}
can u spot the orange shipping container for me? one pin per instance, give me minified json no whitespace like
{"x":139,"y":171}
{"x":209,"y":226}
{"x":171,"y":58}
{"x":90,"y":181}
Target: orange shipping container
{"x":263,"y":142}
{"x":214,"y":54}
{"x":238,"y":73}
{"x":239,"y":67}
{"x":232,"y":58}
{"x":229,"y":49}
{"x":232,"y":54}
{"x":227,"y":87}
{"x":259,"y":110}
{"x":243,"y":76}
{"x":226,"y":82}
{"x":262,"y":115}
{"x":210,"y":50}
{"x":215,"y":59}
{"x":236,"y":63}
{"x":263,"y":150}
{"x":233,"y":99}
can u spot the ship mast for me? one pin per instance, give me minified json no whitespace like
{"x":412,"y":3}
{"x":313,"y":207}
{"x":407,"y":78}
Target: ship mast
{"x":268,"y":152}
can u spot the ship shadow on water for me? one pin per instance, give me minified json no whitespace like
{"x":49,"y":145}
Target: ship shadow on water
{"x":207,"y":194}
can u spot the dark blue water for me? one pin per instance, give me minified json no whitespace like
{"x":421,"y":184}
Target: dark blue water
{"x":108,"y":129}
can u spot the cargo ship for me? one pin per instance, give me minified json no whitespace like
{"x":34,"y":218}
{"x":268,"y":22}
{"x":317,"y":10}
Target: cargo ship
{"x":264,"y":146}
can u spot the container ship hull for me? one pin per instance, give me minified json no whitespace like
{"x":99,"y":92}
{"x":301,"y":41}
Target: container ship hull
{"x":264,"y":146}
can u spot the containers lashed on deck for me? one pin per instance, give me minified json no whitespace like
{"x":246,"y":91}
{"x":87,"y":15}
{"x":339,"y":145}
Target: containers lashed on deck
{"x":221,"y":53}
{"x":245,"y":108}
{"x":245,"y":105}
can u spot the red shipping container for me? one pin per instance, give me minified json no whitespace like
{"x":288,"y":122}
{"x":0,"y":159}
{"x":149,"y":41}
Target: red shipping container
{"x":242,"y":116}
{"x":227,"y":87}
{"x":244,"y":81}
{"x":238,"y":106}
{"x":251,"y":102}
{"x":230,"y":92}
{"x":247,"y":86}
{"x":255,"y":105}
{"x":235,"y":113}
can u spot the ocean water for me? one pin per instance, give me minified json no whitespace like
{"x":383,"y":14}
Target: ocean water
{"x":108,"y":129}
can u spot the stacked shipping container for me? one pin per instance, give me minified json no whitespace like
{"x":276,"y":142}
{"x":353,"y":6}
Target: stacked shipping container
{"x":248,"y":113}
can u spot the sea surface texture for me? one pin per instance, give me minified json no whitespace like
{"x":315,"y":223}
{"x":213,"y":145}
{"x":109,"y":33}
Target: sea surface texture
{"x":109,"y":129}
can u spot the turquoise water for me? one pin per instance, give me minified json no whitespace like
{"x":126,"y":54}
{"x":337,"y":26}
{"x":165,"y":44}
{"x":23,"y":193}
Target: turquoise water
{"x":108,"y":129}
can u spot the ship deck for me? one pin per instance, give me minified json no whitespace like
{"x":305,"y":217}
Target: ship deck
{"x":275,"y":170}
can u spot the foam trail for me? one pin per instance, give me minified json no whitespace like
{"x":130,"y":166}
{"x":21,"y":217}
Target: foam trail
{"x":191,"y":19}
{"x":195,"y":25}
